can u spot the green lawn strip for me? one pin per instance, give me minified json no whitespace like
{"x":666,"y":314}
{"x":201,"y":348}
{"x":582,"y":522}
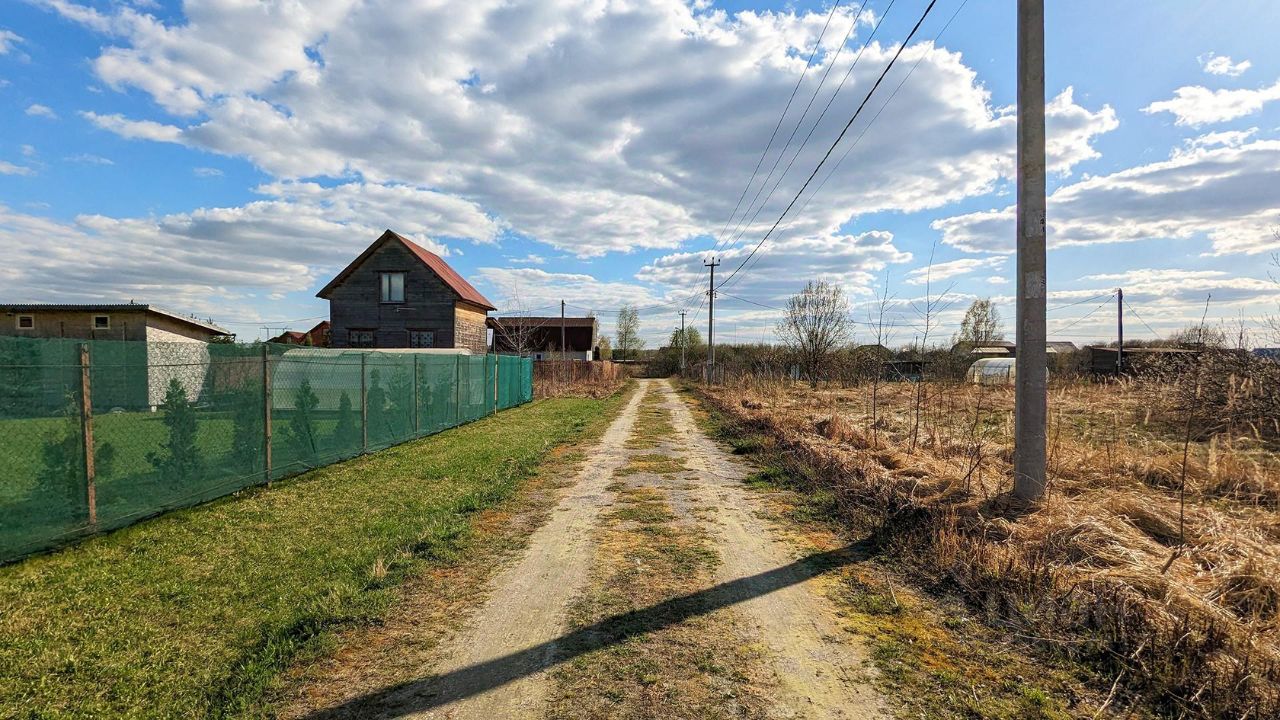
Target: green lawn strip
{"x":196,"y":613}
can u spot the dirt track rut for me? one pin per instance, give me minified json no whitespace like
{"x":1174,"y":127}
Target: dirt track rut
{"x":497,"y":665}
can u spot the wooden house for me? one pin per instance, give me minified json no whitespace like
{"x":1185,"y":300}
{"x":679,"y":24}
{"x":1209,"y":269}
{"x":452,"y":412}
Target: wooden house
{"x":540,"y":337}
{"x":397,"y":294}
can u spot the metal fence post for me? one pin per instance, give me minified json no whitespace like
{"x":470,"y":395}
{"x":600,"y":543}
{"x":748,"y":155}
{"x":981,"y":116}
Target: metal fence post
{"x":266,"y":413}
{"x":497,"y":385}
{"x":416,"y":424}
{"x":364,"y":404}
{"x":86,"y":431}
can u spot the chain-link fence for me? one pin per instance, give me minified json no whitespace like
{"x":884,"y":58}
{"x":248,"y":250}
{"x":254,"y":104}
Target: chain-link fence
{"x":174,"y":424}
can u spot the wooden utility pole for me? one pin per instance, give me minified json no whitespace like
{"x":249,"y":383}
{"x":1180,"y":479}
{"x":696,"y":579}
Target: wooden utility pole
{"x":684,"y":340}
{"x":1119,"y":330}
{"x":711,"y":318}
{"x":1030,"y":393}
{"x":86,"y":433}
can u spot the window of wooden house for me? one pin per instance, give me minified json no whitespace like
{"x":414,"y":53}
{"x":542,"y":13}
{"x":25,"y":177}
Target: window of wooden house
{"x":360,"y":338}
{"x":101,"y":322}
{"x":393,"y":287}
{"x":26,"y":322}
{"x":422,"y":339}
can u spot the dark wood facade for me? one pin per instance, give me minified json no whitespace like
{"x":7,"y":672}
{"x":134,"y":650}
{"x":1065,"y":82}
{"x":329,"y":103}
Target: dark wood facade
{"x":438,"y":308}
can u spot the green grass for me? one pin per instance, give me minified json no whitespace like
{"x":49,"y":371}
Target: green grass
{"x":197,"y":612}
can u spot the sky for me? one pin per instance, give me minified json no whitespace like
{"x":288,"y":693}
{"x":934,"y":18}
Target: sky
{"x":226,"y":158}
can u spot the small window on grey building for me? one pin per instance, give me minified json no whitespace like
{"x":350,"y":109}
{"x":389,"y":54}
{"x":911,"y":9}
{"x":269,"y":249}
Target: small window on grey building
{"x":360,"y":338}
{"x":26,"y":322}
{"x":101,"y":322}
{"x":422,"y":339}
{"x":393,"y":287}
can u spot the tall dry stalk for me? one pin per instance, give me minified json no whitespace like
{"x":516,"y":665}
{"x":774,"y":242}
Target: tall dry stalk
{"x":928,"y":312}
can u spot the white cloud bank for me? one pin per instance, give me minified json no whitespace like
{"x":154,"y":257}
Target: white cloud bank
{"x":1197,"y":106}
{"x":1226,"y":192}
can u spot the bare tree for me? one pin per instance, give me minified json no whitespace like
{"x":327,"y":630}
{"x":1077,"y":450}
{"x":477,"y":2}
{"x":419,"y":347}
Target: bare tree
{"x":981,"y":324}
{"x":517,"y":330}
{"x":928,"y":311}
{"x":882,"y":339}
{"x":1273,"y":321}
{"x":815,"y":323}
{"x":628,"y":332}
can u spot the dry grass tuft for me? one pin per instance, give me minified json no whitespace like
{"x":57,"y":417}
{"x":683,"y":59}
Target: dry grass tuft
{"x":1163,"y":569}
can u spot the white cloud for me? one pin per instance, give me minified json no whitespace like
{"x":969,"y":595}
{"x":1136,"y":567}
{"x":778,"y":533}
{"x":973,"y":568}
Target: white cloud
{"x":293,"y":239}
{"x":1215,"y":64}
{"x":530,"y":259}
{"x":8,"y":168}
{"x":951,"y":268}
{"x":1197,"y":106}
{"x":134,"y":129}
{"x":91,"y":159}
{"x":997,"y":280}
{"x":534,"y":289}
{"x":618,"y":162}
{"x":206,"y":172}
{"x":44,"y":111}
{"x":1223,"y":191}
{"x":8,"y":39}
{"x":28,"y":151}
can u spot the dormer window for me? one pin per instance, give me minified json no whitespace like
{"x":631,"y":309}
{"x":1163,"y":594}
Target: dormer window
{"x":393,"y":287}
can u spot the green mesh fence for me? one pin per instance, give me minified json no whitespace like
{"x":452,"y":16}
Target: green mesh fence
{"x":175,"y":424}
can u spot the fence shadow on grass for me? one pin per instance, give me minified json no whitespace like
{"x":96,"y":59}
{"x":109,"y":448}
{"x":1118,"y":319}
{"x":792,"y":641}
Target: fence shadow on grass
{"x":427,"y":693}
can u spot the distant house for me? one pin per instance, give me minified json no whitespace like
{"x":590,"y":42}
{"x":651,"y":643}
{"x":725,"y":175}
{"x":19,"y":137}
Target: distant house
{"x":317,"y":336}
{"x":153,"y":346}
{"x":1007,"y":349}
{"x":397,"y":294}
{"x":539,"y":337}
{"x":106,"y":321}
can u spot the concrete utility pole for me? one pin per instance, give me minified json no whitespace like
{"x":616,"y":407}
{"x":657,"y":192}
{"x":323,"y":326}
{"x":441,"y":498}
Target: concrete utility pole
{"x":1119,"y":330}
{"x":711,"y":318}
{"x":684,"y":340}
{"x":1030,"y":393}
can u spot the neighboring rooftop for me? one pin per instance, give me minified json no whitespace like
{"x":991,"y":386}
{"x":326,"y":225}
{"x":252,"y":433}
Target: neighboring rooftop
{"x":463,"y":289}
{"x":114,"y":307}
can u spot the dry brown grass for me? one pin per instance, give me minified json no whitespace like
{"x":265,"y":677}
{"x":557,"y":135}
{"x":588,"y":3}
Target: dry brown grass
{"x":1184,"y":601}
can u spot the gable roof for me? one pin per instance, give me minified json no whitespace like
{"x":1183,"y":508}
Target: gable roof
{"x":460,"y":287}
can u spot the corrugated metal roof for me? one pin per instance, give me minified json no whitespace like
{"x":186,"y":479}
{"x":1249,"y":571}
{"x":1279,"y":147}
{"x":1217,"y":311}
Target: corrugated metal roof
{"x":114,"y":307}
{"x":463,"y":289}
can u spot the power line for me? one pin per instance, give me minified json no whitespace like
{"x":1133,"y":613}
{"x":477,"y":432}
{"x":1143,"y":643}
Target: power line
{"x":1087,"y":315}
{"x":1081,"y":302}
{"x":879,"y":112}
{"x":839,"y":137}
{"x":776,"y":127}
{"x":741,"y":229}
{"x":1144,"y":322}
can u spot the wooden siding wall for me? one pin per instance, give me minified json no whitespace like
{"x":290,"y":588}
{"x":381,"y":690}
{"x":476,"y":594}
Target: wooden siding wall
{"x":469,"y":328}
{"x":356,"y":303}
{"x":125,"y":325}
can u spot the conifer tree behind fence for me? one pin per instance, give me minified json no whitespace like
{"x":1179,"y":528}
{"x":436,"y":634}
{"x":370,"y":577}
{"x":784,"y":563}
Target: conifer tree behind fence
{"x":174,"y":424}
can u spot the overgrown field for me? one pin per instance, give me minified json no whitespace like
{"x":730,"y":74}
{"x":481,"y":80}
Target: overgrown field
{"x":1156,"y":555}
{"x":196,"y":613}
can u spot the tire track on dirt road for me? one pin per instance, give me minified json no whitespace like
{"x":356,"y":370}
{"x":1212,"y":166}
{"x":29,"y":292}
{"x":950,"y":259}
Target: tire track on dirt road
{"x":822,"y":670}
{"x":495,"y":667}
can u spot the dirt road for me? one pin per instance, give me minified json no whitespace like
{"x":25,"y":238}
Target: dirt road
{"x":655,"y":483}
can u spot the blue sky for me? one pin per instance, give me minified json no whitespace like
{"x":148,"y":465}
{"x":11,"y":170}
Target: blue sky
{"x":227,"y":158}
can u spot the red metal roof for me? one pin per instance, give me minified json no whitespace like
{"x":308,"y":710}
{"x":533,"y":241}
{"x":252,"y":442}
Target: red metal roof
{"x":463,"y":289}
